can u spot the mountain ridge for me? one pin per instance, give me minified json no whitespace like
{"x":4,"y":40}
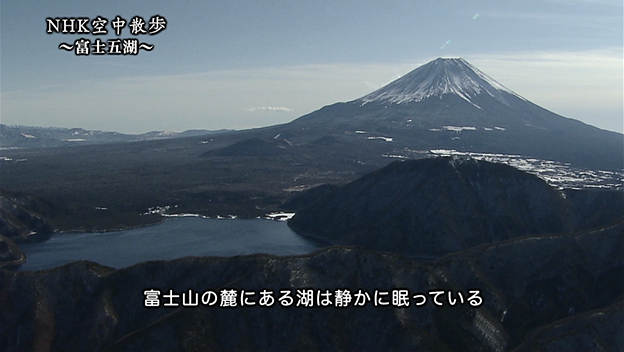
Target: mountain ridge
{"x":19,"y":136}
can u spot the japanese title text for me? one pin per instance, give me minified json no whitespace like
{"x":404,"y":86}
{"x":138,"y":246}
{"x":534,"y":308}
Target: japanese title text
{"x":98,"y":26}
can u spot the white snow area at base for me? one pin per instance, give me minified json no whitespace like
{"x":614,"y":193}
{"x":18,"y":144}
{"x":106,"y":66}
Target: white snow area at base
{"x":458,"y":129}
{"x":6,"y":158}
{"x":443,"y":151}
{"x":557,"y":174}
{"x":395,"y":156}
{"x":279,"y":216}
{"x":185,"y":215}
{"x":227,"y":217}
{"x":387,"y":139}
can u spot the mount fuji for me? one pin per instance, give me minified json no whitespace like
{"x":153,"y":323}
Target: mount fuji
{"x":448,"y":104}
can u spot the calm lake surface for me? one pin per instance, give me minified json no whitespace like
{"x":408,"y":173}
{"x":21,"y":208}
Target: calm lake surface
{"x":174,"y":238}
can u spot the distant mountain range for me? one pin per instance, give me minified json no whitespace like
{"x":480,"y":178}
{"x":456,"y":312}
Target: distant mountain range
{"x":44,"y":137}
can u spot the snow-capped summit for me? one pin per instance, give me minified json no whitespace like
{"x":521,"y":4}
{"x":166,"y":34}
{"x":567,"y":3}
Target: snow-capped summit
{"x":437,"y":78}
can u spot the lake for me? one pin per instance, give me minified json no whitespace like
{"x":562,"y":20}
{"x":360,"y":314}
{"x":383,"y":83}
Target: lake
{"x":174,"y":238}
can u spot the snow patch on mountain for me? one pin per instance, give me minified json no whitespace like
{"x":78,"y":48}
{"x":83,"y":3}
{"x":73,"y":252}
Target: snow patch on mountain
{"x":557,"y":174}
{"x":166,"y":133}
{"x":440,"y":77}
{"x":387,"y":139}
{"x":458,"y":129}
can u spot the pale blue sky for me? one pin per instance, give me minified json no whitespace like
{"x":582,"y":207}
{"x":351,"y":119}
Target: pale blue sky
{"x":240,"y":64}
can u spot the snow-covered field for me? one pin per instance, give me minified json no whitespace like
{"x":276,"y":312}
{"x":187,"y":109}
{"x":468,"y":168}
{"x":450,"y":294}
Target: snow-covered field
{"x":557,"y":174}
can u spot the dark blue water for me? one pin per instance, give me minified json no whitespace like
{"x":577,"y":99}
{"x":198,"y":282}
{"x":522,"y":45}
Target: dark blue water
{"x":174,"y":238}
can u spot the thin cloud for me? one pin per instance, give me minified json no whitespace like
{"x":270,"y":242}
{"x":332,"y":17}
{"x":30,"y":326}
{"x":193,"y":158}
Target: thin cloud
{"x":267,"y":108}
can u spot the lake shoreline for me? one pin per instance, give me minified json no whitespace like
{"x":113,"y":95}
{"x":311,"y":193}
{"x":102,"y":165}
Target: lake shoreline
{"x":177,"y":237}
{"x":163,"y":217}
